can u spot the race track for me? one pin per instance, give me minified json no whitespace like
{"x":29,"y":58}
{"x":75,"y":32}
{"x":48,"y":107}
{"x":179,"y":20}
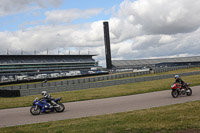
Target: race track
{"x":21,"y":116}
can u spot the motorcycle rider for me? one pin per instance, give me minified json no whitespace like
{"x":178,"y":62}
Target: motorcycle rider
{"x":180,"y":81}
{"x":49,"y":98}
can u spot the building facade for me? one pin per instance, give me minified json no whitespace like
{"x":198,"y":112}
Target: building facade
{"x":156,"y":63}
{"x":33,"y":65}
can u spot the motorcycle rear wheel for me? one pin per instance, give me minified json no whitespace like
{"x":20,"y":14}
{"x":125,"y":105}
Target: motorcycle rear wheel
{"x":190,"y":92}
{"x":174,"y":93}
{"x":61,"y":108}
{"x":35,"y":111}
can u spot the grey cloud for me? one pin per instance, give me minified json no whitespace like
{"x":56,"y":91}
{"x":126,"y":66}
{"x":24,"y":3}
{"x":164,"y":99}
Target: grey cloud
{"x":184,"y":45}
{"x":140,"y":29}
{"x":46,"y":3}
{"x":163,"y":17}
{"x":8,"y":7}
{"x":43,"y":37}
{"x":162,"y":28}
{"x":146,"y":41}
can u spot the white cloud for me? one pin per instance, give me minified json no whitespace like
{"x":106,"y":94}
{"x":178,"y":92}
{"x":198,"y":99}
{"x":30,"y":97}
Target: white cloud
{"x":166,"y":39}
{"x":156,"y":46}
{"x":139,"y":29}
{"x":121,"y":29}
{"x":53,"y":37}
{"x":163,"y":16}
{"x":156,"y":28}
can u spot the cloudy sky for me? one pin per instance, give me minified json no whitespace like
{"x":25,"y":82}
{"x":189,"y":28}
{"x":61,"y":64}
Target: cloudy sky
{"x":139,"y":29}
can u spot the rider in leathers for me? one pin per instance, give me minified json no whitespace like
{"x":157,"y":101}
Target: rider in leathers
{"x":49,"y":98}
{"x":180,"y":81}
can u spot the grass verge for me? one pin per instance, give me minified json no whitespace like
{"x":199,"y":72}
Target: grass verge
{"x":104,"y":92}
{"x":163,"y":73}
{"x":181,"y":117}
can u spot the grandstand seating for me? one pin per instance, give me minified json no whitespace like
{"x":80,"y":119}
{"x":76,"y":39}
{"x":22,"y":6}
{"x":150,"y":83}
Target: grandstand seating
{"x":151,"y":63}
{"x":33,"y":63}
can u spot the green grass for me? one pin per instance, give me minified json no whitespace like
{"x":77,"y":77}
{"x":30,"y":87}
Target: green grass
{"x":104,"y":92}
{"x":170,"y":118}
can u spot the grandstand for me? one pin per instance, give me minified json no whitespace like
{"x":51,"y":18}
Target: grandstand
{"x":156,"y":63}
{"x":12,"y":65}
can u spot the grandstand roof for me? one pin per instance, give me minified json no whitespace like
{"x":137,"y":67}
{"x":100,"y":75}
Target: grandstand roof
{"x":38,"y":59}
{"x":121,"y":63}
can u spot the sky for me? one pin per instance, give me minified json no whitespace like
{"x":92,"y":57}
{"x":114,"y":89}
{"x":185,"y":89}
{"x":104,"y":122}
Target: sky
{"x":139,"y":29}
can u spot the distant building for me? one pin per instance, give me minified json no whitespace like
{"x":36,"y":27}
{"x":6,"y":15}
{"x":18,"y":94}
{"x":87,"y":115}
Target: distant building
{"x":33,"y":64}
{"x":155,"y":63}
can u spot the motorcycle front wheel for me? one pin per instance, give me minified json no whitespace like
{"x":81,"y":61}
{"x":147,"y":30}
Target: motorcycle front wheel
{"x":189,"y":92}
{"x":61,"y":108}
{"x":35,"y":110}
{"x":174,"y":93}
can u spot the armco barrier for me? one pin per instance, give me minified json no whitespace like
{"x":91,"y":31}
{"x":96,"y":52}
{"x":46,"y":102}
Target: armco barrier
{"x":10,"y":93}
{"x":86,"y":83}
{"x":100,"y":84}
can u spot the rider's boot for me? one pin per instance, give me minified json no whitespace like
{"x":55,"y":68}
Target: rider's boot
{"x":187,"y":91}
{"x":43,"y":109}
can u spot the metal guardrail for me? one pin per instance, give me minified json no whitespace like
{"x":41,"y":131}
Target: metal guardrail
{"x":91,"y":82}
{"x":80,"y":86}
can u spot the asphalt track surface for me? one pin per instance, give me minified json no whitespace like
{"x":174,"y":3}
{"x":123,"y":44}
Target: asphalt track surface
{"x":22,"y":116}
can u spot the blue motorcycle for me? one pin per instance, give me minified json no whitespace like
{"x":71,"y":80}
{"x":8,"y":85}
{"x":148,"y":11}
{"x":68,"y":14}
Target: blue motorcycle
{"x":41,"y":105}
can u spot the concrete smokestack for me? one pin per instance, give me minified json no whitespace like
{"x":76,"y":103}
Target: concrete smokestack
{"x":107,"y":45}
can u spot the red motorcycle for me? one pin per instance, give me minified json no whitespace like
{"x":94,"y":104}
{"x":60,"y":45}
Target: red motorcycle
{"x":178,"y":90}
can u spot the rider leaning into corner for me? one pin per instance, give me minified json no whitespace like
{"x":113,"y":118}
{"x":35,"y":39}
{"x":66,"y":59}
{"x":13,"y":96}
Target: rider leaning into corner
{"x":180,"y":81}
{"x":49,"y":98}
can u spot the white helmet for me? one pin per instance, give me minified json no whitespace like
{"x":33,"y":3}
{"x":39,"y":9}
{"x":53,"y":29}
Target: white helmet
{"x":176,"y":76}
{"x":44,"y":93}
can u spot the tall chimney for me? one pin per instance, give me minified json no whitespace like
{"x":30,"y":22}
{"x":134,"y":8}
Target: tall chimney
{"x":107,"y":45}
